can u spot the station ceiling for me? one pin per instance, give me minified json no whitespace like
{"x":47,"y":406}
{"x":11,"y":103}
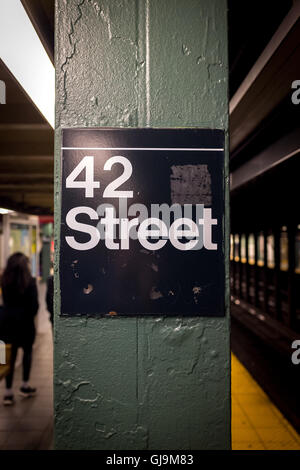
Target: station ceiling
{"x":26,"y":152}
{"x":27,"y":140}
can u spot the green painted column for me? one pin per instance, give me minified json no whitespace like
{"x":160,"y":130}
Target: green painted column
{"x":141,"y":383}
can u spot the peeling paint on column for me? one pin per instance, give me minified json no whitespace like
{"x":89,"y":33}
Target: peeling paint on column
{"x":141,"y":383}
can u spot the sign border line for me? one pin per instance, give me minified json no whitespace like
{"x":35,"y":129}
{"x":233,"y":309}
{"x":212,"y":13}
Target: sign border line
{"x":190,"y":149}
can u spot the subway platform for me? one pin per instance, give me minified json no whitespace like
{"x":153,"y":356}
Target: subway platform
{"x":257,"y":424}
{"x":28,"y":425}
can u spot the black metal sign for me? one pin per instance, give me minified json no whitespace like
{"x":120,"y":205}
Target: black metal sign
{"x":142,"y":222}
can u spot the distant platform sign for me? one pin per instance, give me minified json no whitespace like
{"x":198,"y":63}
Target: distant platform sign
{"x":142,"y":229}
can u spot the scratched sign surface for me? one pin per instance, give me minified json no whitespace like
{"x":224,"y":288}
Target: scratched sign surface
{"x":142,"y":222}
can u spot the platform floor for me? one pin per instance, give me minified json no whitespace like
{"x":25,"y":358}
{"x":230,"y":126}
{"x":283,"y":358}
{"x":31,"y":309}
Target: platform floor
{"x":256,"y":423}
{"x":28,"y":424}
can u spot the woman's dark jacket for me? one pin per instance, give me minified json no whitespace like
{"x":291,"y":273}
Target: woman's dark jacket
{"x":18,"y":315}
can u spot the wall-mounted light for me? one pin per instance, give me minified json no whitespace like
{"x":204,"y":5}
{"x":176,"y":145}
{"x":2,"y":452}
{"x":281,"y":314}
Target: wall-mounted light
{"x":23,"y":53}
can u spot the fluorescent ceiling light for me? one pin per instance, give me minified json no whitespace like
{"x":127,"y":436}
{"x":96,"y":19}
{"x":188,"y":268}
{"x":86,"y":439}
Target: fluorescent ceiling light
{"x":23,"y":53}
{"x":5,"y":211}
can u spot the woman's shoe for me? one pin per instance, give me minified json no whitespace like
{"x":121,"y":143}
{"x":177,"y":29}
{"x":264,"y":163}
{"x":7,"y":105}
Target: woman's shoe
{"x":8,"y":400}
{"x":27,"y":391}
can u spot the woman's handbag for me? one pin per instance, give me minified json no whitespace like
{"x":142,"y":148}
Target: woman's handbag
{"x":5,"y":355}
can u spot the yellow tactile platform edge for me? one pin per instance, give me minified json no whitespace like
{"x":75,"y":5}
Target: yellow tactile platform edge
{"x":256,"y":423}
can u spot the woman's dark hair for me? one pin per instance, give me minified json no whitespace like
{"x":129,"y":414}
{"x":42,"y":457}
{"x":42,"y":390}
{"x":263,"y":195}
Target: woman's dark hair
{"x":17,"y":273}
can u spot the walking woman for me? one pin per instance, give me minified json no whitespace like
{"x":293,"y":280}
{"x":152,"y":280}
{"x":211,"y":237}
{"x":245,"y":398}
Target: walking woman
{"x":20,"y":299}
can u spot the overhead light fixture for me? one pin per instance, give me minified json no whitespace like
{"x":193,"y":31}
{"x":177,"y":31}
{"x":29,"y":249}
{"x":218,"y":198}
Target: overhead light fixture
{"x":5,"y":211}
{"x":24,"y":55}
